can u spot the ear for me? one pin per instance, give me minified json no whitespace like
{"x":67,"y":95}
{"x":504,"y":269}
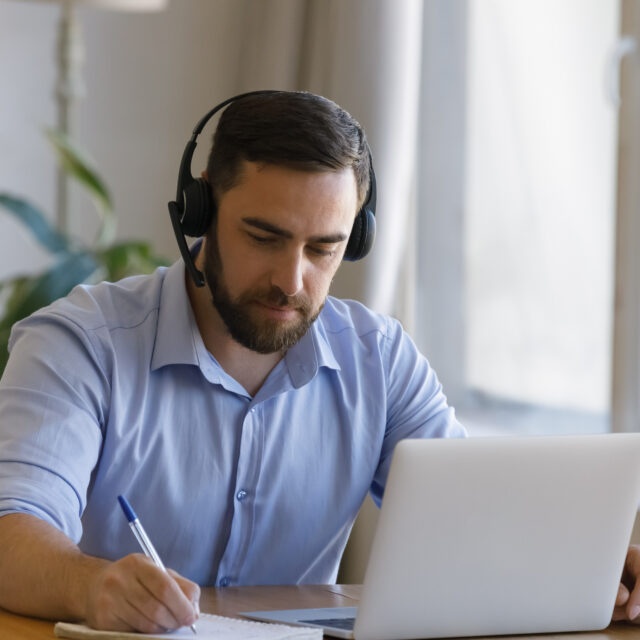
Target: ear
{"x":205,"y":175}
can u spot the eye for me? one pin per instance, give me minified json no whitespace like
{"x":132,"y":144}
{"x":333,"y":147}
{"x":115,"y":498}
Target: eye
{"x":321,"y":251}
{"x":261,"y":239}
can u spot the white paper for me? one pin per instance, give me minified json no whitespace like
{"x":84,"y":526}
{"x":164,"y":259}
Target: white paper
{"x":208,"y":627}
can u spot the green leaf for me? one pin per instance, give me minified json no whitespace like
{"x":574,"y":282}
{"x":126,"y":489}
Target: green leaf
{"x":36,"y":222}
{"x":80,"y":168}
{"x":4,"y":352}
{"x":30,"y":293}
{"x":128,"y":258}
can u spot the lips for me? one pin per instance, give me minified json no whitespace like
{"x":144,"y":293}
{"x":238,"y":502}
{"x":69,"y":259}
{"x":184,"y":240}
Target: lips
{"x":277,"y":310}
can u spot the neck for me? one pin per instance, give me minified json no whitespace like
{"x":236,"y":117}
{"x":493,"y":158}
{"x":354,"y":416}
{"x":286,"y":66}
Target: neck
{"x":247,"y":367}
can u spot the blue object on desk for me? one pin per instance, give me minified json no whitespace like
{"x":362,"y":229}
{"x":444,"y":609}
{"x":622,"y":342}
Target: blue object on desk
{"x":141,"y":537}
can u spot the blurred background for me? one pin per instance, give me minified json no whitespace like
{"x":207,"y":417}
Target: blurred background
{"x":505,"y":142}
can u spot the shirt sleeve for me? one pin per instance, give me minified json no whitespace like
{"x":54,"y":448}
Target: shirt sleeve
{"x":416,"y":404}
{"x":52,"y":409}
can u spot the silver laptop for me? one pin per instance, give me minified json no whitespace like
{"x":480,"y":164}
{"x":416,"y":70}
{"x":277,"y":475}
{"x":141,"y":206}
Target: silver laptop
{"x":492,"y":536}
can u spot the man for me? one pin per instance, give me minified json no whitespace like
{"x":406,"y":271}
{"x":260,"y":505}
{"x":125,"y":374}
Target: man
{"x":244,"y":420}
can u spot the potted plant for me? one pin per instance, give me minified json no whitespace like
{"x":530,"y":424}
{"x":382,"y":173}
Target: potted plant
{"x":74,"y":262}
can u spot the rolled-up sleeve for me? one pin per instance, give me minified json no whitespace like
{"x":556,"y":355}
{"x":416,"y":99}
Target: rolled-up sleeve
{"x":52,"y":407}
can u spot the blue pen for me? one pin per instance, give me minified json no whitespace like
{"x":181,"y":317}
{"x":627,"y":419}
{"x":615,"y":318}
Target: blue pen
{"x":142,"y":538}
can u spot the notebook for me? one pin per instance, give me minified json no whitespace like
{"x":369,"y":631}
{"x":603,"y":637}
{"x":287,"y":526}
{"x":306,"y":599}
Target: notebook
{"x":489,"y":536}
{"x":208,"y":627}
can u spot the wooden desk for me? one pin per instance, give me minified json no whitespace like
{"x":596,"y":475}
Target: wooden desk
{"x":232,"y":599}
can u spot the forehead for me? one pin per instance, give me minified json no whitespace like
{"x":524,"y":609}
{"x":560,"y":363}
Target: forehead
{"x":303,"y":202}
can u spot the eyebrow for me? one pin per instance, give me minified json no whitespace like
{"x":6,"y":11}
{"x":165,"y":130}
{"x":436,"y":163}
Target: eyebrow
{"x":332,"y":238}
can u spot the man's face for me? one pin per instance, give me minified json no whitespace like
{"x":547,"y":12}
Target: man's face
{"x":274,"y":248}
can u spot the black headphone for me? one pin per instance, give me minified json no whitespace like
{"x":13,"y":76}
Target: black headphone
{"x":193,"y":209}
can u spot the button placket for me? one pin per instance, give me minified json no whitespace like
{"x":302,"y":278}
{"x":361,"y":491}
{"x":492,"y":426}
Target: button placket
{"x":242,"y":521}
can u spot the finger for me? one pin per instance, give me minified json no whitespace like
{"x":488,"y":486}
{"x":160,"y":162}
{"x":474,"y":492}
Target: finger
{"x":632,"y":606}
{"x":157,"y":611}
{"x":131,"y":586}
{"x":131,"y":618}
{"x":632,"y":565}
{"x":633,"y":615}
{"x":623,"y":595}
{"x":189,"y":588}
{"x":619,"y":613}
{"x":166,"y":591}
{"x":124,"y":610}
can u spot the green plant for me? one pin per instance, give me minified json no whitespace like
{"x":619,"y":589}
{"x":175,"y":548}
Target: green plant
{"x":73,"y":262}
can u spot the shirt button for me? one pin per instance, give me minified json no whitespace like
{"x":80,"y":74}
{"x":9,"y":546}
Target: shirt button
{"x":241,"y":495}
{"x":224,"y":582}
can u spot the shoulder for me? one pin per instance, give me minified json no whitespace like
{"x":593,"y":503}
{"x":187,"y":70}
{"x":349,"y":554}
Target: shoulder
{"x":349,"y":326}
{"x":108,"y":305}
{"x":340,"y":315}
{"x":89,"y":316}
{"x":355,"y":333}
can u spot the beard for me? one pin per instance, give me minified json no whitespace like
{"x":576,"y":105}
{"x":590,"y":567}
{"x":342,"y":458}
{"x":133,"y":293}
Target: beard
{"x":262,"y":335}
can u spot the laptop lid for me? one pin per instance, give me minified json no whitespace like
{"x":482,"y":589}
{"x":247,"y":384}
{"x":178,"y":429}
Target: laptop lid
{"x":488,"y":536}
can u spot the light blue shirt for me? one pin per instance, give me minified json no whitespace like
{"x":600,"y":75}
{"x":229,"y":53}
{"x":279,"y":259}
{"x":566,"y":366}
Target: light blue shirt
{"x":112,"y":391}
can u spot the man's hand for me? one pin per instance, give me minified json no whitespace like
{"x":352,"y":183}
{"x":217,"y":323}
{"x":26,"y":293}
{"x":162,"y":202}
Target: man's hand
{"x":134,"y":594}
{"x":43,"y":573}
{"x":628,"y":600}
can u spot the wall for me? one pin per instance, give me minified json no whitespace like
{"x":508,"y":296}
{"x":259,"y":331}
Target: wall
{"x":149,"y":78}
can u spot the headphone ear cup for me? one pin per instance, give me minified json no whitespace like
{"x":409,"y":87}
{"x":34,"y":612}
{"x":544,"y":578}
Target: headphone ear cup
{"x":362,"y":235}
{"x":198,"y":208}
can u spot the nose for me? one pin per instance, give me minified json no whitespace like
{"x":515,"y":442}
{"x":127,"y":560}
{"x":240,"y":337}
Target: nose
{"x":287,"y":273}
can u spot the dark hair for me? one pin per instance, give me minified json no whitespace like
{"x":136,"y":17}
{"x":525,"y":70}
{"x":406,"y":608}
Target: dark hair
{"x":292,"y":129}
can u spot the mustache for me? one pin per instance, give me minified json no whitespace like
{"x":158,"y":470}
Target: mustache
{"x":278,"y":298}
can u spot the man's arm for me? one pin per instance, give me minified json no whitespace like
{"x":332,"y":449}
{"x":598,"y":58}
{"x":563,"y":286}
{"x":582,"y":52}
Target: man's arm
{"x":44,"y":574}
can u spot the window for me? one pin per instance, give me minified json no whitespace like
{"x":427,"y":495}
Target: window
{"x":516,"y":302}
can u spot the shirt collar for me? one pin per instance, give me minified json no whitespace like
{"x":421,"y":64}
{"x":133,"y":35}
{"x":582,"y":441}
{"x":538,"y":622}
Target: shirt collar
{"x":178,"y":339}
{"x":309,"y":354}
{"x":175,"y":336}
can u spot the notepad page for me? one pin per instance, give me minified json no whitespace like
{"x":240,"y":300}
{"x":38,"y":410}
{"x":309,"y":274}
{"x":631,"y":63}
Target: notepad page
{"x":208,"y":627}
